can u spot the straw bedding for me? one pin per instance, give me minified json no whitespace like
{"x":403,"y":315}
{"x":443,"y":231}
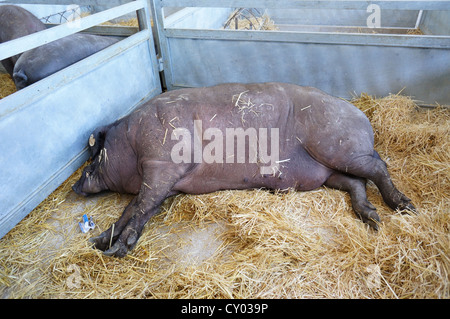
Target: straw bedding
{"x":249,"y":19}
{"x":7,"y":85}
{"x":255,"y":243}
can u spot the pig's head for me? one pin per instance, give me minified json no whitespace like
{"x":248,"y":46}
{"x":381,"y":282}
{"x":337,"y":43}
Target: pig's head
{"x":92,"y":179}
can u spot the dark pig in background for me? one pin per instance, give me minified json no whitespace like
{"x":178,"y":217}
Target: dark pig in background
{"x":38,"y":63}
{"x":233,"y":136}
{"x":16,"y":22}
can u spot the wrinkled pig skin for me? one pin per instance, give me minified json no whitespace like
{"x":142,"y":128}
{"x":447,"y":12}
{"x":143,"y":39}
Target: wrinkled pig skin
{"x":323,"y":140}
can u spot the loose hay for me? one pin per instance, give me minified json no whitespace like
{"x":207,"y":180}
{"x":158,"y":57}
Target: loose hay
{"x":254,"y":243}
{"x":133,"y":22}
{"x":7,"y":85}
{"x":249,"y":19}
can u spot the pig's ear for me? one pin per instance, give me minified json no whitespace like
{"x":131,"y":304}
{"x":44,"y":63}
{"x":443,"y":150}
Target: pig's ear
{"x":97,"y":141}
{"x":20,"y":79}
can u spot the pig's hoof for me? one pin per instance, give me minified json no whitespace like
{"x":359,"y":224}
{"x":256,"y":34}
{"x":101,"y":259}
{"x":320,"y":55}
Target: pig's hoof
{"x":125,"y":243}
{"x":367,"y":213}
{"x":115,"y":249}
{"x":408,"y":208}
{"x":119,"y":249}
{"x":100,"y":242}
{"x":373,"y":220}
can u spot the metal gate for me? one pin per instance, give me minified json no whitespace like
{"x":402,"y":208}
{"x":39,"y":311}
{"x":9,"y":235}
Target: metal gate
{"x":325,"y":44}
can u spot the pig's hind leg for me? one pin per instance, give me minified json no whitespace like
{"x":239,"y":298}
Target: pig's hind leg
{"x":374,"y":168}
{"x":356,"y":187}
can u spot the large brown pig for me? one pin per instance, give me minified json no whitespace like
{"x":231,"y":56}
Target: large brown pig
{"x":233,"y":136}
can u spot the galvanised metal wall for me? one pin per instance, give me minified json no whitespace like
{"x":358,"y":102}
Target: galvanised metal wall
{"x":44,"y":127}
{"x":341,"y":64}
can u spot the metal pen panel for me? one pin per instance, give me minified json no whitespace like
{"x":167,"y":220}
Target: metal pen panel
{"x":341,"y":61}
{"x":44,"y":127}
{"x":340,"y":70}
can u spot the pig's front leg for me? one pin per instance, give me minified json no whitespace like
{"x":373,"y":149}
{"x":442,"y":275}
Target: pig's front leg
{"x":105,"y":239}
{"x":158,"y":180}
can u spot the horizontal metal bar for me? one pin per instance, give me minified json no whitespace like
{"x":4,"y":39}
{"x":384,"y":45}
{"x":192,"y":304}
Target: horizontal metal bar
{"x":34,"y":40}
{"x":111,"y":30}
{"x":341,"y":29}
{"x":418,"y":41}
{"x":111,"y":3}
{"x":323,"y":4}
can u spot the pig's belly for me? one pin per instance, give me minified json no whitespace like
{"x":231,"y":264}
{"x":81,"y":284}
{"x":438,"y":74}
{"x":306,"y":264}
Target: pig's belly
{"x":298,"y":171}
